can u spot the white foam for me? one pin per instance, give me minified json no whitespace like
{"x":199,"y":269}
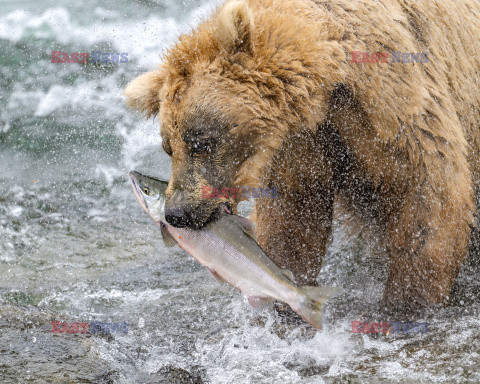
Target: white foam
{"x":144,"y":40}
{"x":52,"y":100}
{"x":5,"y":128}
{"x":15,"y":210}
{"x":89,"y":96}
{"x":108,"y":173}
{"x":145,"y":135}
{"x":106,"y":13}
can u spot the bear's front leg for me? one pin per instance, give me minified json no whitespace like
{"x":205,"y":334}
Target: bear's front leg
{"x":428,"y":240}
{"x":293,"y":230}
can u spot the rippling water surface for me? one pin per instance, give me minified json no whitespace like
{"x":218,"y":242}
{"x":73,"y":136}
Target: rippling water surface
{"x":76,"y":247}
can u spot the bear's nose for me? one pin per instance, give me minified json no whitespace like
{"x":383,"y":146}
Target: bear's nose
{"x":177,"y":217}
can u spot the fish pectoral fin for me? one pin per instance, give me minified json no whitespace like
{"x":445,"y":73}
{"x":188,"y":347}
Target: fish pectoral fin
{"x":167,"y":237}
{"x":289,"y":274}
{"x":215,"y":275}
{"x":259,"y":302}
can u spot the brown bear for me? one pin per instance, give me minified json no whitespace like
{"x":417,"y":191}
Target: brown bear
{"x":272,"y":94}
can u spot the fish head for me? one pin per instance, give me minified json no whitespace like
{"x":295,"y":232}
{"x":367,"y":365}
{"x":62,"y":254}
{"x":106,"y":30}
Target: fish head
{"x":150,"y":193}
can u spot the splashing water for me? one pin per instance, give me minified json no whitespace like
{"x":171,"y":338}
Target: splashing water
{"x":75,"y":246}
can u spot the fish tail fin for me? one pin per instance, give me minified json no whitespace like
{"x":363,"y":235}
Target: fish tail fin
{"x":311,"y":308}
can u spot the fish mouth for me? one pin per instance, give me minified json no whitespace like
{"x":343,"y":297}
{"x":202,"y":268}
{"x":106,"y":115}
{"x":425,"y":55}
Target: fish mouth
{"x":136,"y":190}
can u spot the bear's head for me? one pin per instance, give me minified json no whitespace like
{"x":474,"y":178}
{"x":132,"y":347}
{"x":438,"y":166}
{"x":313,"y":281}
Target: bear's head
{"x":227,"y":95}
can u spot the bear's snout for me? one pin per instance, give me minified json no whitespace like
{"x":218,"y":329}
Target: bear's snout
{"x":182,"y":210}
{"x":189,"y":215}
{"x":176,"y":216}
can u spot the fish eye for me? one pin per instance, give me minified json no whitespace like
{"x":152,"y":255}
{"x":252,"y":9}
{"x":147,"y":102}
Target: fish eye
{"x":146,"y":190}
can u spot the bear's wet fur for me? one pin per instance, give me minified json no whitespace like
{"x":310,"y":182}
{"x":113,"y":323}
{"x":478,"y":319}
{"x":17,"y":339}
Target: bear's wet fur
{"x":265,"y":93}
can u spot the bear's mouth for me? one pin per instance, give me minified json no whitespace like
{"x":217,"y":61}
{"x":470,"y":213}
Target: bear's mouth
{"x":224,"y":208}
{"x":197,"y":219}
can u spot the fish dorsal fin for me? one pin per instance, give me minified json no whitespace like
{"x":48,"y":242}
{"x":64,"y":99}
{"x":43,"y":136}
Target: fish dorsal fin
{"x":167,"y":237}
{"x":288,"y":274}
{"x":247,"y":225}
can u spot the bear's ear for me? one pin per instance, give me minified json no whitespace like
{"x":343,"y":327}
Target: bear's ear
{"x":235,"y":26}
{"x":143,"y":93}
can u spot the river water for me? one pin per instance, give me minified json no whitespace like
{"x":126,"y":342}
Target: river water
{"x":76,"y":247}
